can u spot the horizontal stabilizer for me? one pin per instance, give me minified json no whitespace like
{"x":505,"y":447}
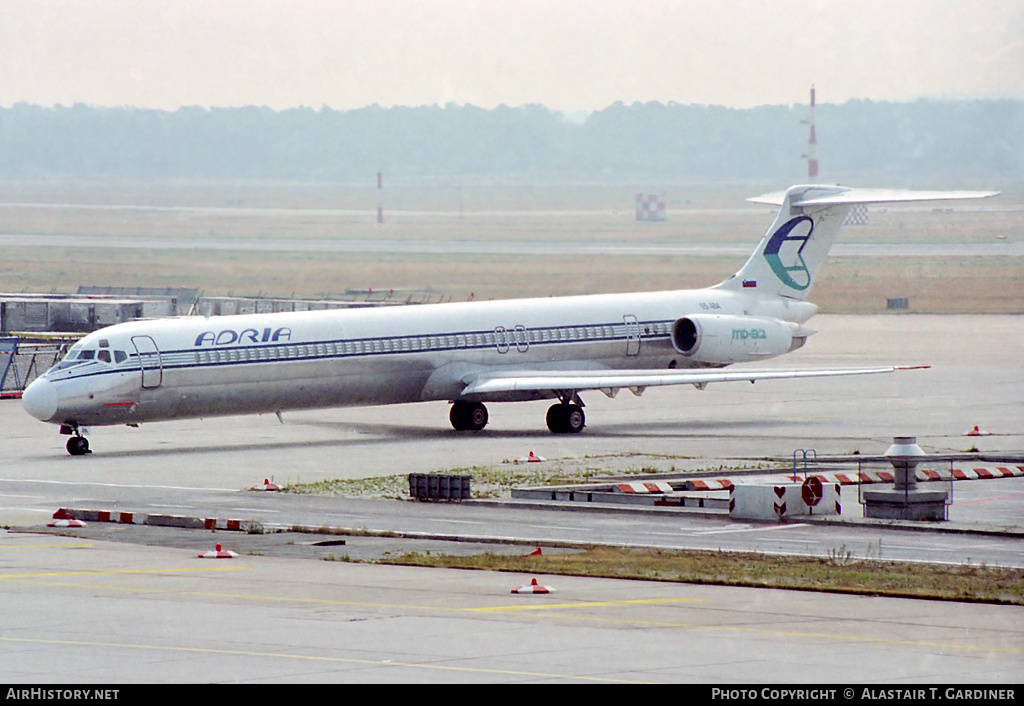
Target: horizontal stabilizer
{"x":849,"y":196}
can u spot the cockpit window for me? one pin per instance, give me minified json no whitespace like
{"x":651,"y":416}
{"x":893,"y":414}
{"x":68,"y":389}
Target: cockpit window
{"x":72,"y":358}
{"x":78,"y":355}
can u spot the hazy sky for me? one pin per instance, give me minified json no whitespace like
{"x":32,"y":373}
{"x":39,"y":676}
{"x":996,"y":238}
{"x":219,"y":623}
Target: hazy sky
{"x":572,"y":55}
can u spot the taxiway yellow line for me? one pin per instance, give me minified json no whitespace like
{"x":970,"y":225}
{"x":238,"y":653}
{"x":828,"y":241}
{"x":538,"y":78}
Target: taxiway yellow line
{"x":46,"y":546}
{"x":113,"y":572}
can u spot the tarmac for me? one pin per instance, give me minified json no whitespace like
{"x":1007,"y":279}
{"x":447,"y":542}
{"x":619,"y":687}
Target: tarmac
{"x":119,"y":603}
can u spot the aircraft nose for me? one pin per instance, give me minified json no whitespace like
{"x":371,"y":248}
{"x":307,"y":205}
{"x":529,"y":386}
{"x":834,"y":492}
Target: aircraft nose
{"x":40,"y":400}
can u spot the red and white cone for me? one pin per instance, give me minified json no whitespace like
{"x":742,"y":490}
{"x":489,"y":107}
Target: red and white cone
{"x":62,"y":518}
{"x":218,"y":554}
{"x":533,"y":587}
{"x":266,"y":485}
{"x":531,"y":458}
{"x":977,"y":432}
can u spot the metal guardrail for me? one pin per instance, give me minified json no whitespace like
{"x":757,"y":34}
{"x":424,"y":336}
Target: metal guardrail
{"x":30,"y":355}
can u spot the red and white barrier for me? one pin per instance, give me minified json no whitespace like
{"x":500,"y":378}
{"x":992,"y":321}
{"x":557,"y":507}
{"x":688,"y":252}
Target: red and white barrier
{"x":945,"y":474}
{"x":716,"y":484}
{"x":138,"y":518}
{"x":644,"y":487}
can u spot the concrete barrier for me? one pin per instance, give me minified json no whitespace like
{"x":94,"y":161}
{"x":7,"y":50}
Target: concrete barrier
{"x":785,"y":500}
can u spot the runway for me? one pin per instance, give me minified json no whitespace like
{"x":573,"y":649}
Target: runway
{"x":548,"y":247}
{"x":89,"y":609}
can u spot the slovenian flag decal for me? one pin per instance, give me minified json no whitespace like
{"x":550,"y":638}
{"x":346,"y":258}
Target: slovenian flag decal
{"x":749,"y":283}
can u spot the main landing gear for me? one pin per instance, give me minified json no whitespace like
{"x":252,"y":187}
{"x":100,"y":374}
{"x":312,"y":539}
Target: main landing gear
{"x":468,"y":416}
{"x":78,"y":445}
{"x":566,"y":417}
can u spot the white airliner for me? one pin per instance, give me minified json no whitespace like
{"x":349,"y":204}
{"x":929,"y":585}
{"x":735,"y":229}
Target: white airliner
{"x":467,"y":353}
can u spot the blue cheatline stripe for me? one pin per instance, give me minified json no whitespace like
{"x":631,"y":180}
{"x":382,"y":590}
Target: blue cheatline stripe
{"x":168,"y":358}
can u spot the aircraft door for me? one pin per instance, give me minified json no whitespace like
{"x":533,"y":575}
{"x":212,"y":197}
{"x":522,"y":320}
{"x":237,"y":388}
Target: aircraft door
{"x":149,"y":361}
{"x":501,"y":339}
{"x":522,"y":337}
{"x":632,"y":335}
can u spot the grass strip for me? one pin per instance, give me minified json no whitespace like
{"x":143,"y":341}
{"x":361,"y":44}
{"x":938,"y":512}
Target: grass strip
{"x":840,"y":572}
{"x":487,"y":482}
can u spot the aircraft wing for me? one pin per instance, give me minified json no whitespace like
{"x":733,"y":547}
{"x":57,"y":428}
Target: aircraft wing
{"x":611,"y":381}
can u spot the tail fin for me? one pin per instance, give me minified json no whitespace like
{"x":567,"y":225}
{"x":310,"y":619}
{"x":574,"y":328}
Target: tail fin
{"x":794,"y":248}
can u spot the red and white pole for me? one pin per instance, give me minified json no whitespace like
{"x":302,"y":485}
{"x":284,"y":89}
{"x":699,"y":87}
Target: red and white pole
{"x":380,"y":197}
{"x":812,"y":144}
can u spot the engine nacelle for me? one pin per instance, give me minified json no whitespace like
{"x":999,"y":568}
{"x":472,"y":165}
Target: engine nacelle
{"x":723,"y":339}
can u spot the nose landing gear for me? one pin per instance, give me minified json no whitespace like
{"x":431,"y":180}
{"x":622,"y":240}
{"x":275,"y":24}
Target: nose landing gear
{"x":77,"y":445}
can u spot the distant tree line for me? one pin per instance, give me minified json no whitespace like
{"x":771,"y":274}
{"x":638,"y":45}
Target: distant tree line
{"x":981,"y":142}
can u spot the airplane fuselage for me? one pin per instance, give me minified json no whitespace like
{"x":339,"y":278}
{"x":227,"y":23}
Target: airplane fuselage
{"x":259,"y":363}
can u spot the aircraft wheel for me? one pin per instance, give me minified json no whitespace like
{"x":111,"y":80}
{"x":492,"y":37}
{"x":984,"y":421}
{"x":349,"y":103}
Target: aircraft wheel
{"x":575,"y":420}
{"x":468,"y":416}
{"x":477,"y":416}
{"x":566,"y":418}
{"x":78,"y":446}
{"x":459,"y":416}
{"x":556,"y":418}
